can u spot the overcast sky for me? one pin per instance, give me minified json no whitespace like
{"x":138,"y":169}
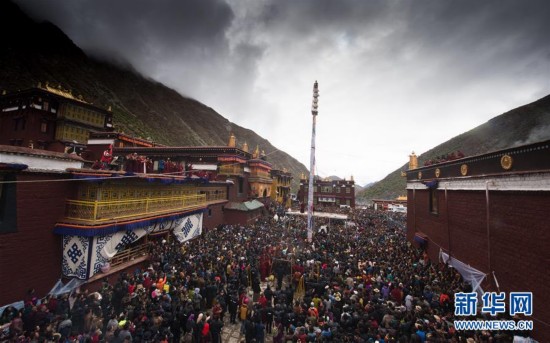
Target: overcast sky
{"x":394,"y":76}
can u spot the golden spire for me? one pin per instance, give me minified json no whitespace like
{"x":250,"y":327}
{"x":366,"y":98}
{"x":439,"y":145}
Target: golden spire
{"x":245,"y":147}
{"x":256,"y":153}
{"x":413,"y":161}
{"x":232,"y":141}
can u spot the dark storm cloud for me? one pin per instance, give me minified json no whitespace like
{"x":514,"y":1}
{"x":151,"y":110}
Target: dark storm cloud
{"x":198,"y":31}
{"x":451,"y":25}
{"x":169,"y":40}
{"x":139,"y":26}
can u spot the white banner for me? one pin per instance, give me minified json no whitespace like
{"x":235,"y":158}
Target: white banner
{"x":77,"y":250}
{"x":75,"y":256}
{"x":189,"y":228}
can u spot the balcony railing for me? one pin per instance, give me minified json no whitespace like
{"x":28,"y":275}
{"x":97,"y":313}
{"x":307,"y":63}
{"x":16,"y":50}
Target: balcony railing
{"x":129,"y":254}
{"x":216,"y":197}
{"x":104,"y":211}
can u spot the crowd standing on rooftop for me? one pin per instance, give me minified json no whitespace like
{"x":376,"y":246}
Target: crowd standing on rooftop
{"x":364,"y":283}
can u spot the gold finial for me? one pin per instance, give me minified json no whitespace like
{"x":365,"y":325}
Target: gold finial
{"x":263,"y":153}
{"x":413,"y":161}
{"x":245,"y":147}
{"x":232,"y":141}
{"x":256,"y":153}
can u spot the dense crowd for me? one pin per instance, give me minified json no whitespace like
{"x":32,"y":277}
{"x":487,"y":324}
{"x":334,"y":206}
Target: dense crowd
{"x":363,"y":283}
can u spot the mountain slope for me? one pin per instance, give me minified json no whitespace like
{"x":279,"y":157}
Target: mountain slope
{"x":39,"y":52}
{"x":526,"y":124}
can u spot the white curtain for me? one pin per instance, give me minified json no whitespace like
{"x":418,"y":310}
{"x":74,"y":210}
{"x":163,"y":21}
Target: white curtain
{"x":60,"y":288}
{"x":470,"y":274}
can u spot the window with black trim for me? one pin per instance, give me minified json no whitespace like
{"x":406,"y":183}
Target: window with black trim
{"x":241,"y":185}
{"x":8,"y":208}
{"x":434,"y":201}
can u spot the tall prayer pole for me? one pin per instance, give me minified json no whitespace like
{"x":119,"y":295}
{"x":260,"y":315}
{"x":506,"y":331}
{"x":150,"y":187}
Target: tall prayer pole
{"x":314,"y":112}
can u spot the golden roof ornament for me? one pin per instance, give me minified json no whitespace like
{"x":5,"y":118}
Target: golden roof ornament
{"x":232,"y":141}
{"x":256,"y":153}
{"x":245,"y":147}
{"x":413,"y":161}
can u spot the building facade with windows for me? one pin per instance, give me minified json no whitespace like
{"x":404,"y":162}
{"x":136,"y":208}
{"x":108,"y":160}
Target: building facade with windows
{"x":280,"y":188}
{"x":490,"y":213}
{"x":328,"y":193}
{"x":59,"y":220}
{"x":49,"y":118}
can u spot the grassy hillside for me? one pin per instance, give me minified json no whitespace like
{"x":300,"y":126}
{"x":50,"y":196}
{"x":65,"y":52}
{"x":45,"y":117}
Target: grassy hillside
{"x":523,"y":125}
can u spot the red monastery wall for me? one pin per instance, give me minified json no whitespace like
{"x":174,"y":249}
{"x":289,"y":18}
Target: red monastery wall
{"x":519,"y":231}
{"x":23,"y":253}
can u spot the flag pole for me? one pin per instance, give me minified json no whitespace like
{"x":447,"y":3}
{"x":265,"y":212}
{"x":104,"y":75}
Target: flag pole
{"x":314,"y":112}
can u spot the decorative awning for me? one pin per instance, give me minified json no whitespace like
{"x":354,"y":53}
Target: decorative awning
{"x":431,"y":184}
{"x":420,"y":238}
{"x":213,"y":167}
{"x":244,"y":206}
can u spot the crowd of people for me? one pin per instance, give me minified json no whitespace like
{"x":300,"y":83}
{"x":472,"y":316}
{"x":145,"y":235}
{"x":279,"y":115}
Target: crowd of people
{"x":364,"y":283}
